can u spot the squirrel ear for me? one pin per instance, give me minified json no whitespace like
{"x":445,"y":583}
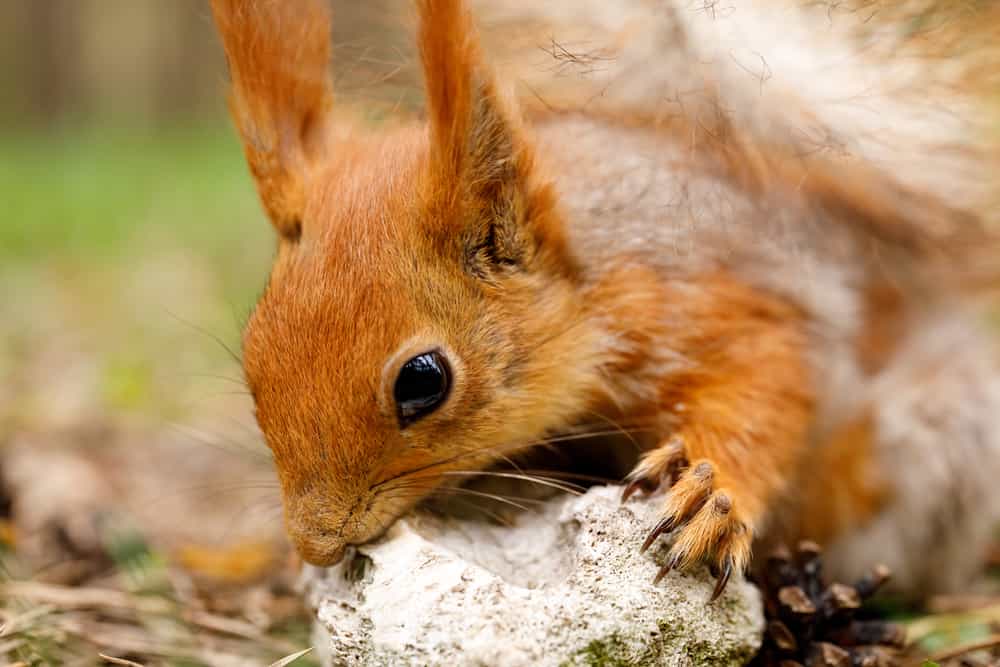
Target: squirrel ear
{"x":278,"y":53}
{"x":474,"y":138}
{"x":485,"y":196}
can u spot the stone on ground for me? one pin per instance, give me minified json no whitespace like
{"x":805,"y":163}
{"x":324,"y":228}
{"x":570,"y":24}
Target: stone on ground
{"x":564,"y":585}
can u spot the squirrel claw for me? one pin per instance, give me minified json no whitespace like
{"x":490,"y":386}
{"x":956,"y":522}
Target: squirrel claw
{"x":643,"y":484}
{"x":722,"y":579}
{"x":671,"y":563}
{"x":664,"y":526}
{"x":708,"y":525}
{"x":659,"y":467}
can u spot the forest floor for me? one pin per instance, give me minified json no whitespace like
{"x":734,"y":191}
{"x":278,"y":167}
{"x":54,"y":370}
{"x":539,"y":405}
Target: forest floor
{"x":139,"y":514}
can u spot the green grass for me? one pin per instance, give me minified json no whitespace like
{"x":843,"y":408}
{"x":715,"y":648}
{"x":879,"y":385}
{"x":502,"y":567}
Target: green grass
{"x":130,"y":242}
{"x":105,"y":195}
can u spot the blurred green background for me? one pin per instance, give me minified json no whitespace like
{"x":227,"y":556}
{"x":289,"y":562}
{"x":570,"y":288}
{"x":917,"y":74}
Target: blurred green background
{"x":130,"y":233}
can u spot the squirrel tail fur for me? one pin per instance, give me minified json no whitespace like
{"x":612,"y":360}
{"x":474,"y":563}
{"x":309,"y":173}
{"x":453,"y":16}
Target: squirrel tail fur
{"x":885,"y":112}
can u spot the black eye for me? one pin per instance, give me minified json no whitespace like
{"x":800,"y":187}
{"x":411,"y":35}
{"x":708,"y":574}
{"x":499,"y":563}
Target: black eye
{"x":421,"y":386}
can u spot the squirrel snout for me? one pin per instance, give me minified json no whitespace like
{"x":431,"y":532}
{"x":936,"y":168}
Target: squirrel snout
{"x":321,"y":529}
{"x":321,"y":557}
{"x":319,"y":538}
{"x":319,"y":547}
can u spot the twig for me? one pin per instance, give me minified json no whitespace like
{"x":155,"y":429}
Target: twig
{"x":992,"y":641}
{"x":950,"y":604}
{"x":134,"y":640}
{"x":235,"y":627}
{"x":289,"y":659}
{"x":120,"y":661}
{"x":64,"y":597}
{"x":15,"y":624}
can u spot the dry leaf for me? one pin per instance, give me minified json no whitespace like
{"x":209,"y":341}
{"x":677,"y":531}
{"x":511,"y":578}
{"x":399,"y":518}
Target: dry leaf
{"x":233,"y":564}
{"x":8,"y":536}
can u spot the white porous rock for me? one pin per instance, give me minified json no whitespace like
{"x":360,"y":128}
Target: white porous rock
{"x":564,"y":585}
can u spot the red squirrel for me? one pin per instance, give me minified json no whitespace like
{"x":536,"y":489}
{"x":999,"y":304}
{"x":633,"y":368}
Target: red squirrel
{"x":777,"y":297}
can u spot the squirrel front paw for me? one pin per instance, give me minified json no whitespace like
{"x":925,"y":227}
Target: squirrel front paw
{"x":707,"y":522}
{"x":662,"y":466}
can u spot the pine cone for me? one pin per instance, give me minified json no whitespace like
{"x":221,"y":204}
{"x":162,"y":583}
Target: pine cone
{"x":811,"y":624}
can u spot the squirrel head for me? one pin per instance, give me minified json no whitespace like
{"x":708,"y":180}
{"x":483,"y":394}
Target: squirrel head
{"x":422,"y":317}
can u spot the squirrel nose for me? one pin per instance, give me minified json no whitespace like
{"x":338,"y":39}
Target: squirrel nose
{"x":322,"y":552}
{"x":320,"y":529}
{"x":317,"y":544}
{"x":333,"y":557}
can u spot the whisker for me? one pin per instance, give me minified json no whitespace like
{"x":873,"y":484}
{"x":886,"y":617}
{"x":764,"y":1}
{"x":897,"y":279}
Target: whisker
{"x":417,"y":491}
{"x":496,"y":516}
{"x":200,"y":329}
{"x":240,"y":314}
{"x":509,"y":461}
{"x":513,"y":501}
{"x":585,"y":435}
{"x":214,"y":376}
{"x":619,"y":429}
{"x":450,"y":459}
{"x":221,"y":442}
{"x":217,"y":394}
{"x":572,"y":475}
{"x":235,"y":526}
{"x":209,"y":491}
{"x":251,"y":429}
{"x":567,"y":487}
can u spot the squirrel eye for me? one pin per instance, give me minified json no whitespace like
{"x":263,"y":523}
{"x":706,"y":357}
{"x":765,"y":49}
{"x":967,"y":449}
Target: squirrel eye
{"x":421,"y":386}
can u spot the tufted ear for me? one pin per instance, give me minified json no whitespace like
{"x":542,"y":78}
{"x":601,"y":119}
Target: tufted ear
{"x":278,"y":53}
{"x":480,"y":159}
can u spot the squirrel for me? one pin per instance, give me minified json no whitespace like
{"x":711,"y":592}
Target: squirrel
{"x":774,"y":264}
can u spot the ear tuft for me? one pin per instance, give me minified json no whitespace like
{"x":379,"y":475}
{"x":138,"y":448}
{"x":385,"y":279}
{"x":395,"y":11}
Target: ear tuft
{"x":450,"y":58}
{"x":485,"y":198}
{"x":278,"y":53}
{"x":479,"y":158}
{"x":473,"y":132}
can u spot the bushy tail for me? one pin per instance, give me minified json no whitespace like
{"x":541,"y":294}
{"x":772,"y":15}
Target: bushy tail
{"x":886,"y":113}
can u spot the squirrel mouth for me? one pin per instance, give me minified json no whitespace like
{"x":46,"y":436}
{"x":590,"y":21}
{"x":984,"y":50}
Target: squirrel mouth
{"x":336,"y":556}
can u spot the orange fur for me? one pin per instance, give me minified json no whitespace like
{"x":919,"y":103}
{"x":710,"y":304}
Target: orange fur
{"x":742,"y":406}
{"x":450,"y":58}
{"x":883,"y":327}
{"x":278,"y":53}
{"x":454,"y":237}
{"x":850,"y":494}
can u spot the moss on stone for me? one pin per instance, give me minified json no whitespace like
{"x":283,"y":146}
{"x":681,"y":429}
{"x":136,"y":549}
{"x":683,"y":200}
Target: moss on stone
{"x":616,"y":651}
{"x":612,"y":651}
{"x":705,"y":654}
